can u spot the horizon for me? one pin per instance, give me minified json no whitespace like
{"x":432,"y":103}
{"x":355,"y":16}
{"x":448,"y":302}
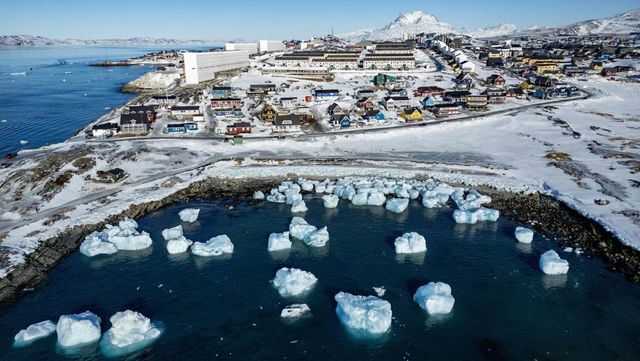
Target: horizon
{"x":87,"y":20}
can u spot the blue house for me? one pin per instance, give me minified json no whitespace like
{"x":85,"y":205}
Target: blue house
{"x":220,"y":91}
{"x":182,"y":128}
{"x":374,"y":116}
{"x":428,"y":101}
{"x":322,"y":94}
{"x":340,"y":120}
{"x":539,"y":93}
{"x":228,"y":112}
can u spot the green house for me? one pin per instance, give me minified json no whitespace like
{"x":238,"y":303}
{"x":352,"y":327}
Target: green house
{"x":383,"y":80}
{"x":238,"y":139}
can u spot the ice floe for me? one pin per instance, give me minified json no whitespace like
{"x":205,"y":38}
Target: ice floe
{"x":279,"y":242}
{"x":376,"y":199}
{"x":296,"y":310}
{"x":380,"y":291}
{"x":435,"y":298}
{"x":299,"y":206}
{"x":330,"y":200}
{"x":276,"y":197}
{"x":475,"y":216}
{"x":130,"y":331}
{"x":366,"y":315}
{"x":172,"y":233}
{"x":33,"y":333}
{"x":123,"y":237}
{"x":524,"y":235}
{"x":189,"y":215}
{"x":291,"y":282}
{"x":97,"y":243}
{"x":178,"y":245}
{"x":411,"y":242}
{"x":299,"y":228}
{"x":552,"y":264}
{"x":318,"y":238}
{"x":78,"y":329}
{"x":258,"y":195}
{"x":397,"y":205}
{"x":215,"y":246}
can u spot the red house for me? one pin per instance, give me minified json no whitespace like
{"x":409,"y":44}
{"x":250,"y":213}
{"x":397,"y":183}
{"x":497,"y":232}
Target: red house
{"x":226,"y":103}
{"x":239,"y":128}
{"x":428,"y":90}
{"x":496,"y":80}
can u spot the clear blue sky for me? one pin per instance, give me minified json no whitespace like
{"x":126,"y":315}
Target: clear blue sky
{"x":276,"y":19}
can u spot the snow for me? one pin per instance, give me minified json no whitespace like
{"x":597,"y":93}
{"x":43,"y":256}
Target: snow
{"x":78,"y":329}
{"x":215,"y":246}
{"x":189,"y":215}
{"x":258,"y":195}
{"x":172,"y":233}
{"x":293,"y":282}
{"x":330,"y":201}
{"x":411,"y":242}
{"x":365,"y":315}
{"x":130,"y":331}
{"x":295,"y":310}
{"x":524,"y":235}
{"x":299,"y":206}
{"x":279,"y":242}
{"x":397,"y":205}
{"x":410,"y":22}
{"x":178,"y":245}
{"x":552,"y":264}
{"x":155,"y":80}
{"x":34,"y":332}
{"x":435,"y":298}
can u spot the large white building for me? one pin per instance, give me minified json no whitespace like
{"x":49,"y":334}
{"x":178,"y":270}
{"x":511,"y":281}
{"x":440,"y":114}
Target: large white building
{"x":252,"y":48}
{"x":199,"y":67}
{"x":269,"y":46}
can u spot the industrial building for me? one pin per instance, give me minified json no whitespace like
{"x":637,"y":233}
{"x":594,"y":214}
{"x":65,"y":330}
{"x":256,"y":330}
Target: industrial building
{"x":199,"y":67}
{"x":270,"y":46}
{"x":252,"y":48}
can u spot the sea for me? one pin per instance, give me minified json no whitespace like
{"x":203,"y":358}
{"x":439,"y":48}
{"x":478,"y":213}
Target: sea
{"x":227,"y":309}
{"x":48,"y":94}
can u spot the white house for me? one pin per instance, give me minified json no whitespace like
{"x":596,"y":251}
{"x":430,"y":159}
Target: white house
{"x":199,"y":67}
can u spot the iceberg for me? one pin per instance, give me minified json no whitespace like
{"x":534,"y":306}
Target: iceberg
{"x":95,"y":244}
{"x":279,"y":242}
{"x":431,"y":202}
{"x":130,"y":331}
{"x":320,"y":188}
{"x":295,"y":310}
{"x":552,"y":264}
{"x":178,"y":245}
{"x":397,"y":205}
{"x":475,"y":216}
{"x":368,"y":315}
{"x":299,"y":228}
{"x":317,"y":238}
{"x":524,"y":235}
{"x":435,"y":298}
{"x":292,"y":196}
{"x":33,"y":333}
{"x":77,"y":330}
{"x":330,"y":201}
{"x":360,"y":199}
{"x":189,"y":215}
{"x":292,"y":282}
{"x":258,"y":195}
{"x":306,"y":186}
{"x":276,"y":197}
{"x":299,"y":206}
{"x":376,"y":199}
{"x":410,"y":242}
{"x":380,"y":291}
{"x":172,"y":233}
{"x":215,"y":246}
{"x":131,"y":242}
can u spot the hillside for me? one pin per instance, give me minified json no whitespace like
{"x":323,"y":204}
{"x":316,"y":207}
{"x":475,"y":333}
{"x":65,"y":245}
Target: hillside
{"x":32,"y":41}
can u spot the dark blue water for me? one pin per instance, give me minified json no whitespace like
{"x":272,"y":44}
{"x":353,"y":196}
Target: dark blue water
{"x":60,"y":92}
{"x":505,"y":309}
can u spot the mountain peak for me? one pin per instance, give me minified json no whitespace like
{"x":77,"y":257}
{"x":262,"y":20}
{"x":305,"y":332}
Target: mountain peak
{"x":414,"y":18}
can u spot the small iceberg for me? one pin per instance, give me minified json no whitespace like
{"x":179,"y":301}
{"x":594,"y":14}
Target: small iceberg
{"x":299,"y":206}
{"x":299,"y":228}
{"x":411,"y":242}
{"x":215,"y":246}
{"x":258,"y":195}
{"x":474,"y":216}
{"x":279,"y":242}
{"x":178,"y":245}
{"x":552,"y":264}
{"x":524,"y":235}
{"x":380,"y":291}
{"x":33,"y":333}
{"x":296,"y":310}
{"x":189,"y":215}
{"x":130,"y":331}
{"x":23,"y":142}
{"x":366,"y":315}
{"x":330,"y":200}
{"x":172,"y":233}
{"x":435,"y":298}
{"x":317,"y":238}
{"x":292,"y":282}
{"x":397,"y":205}
{"x":3,"y":121}
{"x":360,"y":199}
{"x":276,"y":197}
{"x":126,"y":236}
{"x":78,"y":330}
{"x":376,"y":199}
{"x":96,"y":244}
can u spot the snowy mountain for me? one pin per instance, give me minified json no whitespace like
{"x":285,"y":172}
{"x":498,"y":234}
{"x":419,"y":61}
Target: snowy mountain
{"x":494,"y":31}
{"x":31,"y":41}
{"x":411,"y":22}
{"x":618,"y":24}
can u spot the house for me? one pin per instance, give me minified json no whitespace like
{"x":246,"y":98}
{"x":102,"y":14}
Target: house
{"x":463,"y":81}
{"x":543,"y":81}
{"x":225,"y":112}
{"x":340,"y":120}
{"x":134,"y":124}
{"x":397,"y":92}
{"x":458,"y":97}
{"x":325,"y":94}
{"x":383,"y":80}
{"x":287,"y":123}
{"x":496,"y":80}
{"x":334,"y":109}
{"x":111,"y":176}
{"x":268,"y":113}
{"x":445,"y":110}
{"x":365,"y":104}
{"x":288,"y":102}
{"x":477,"y":103}
{"x":596,"y":66}
{"x":102,"y":130}
{"x":239,"y":128}
{"x":495,"y":62}
{"x":182,"y":128}
{"x":429,"y":101}
{"x":185,"y":110}
{"x":396,"y":102}
{"x":573,"y":70}
{"x":411,"y":114}
{"x":366,"y":93}
{"x":515,"y":93}
{"x":261,"y":89}
{"x":428,"y":90}
{"x":220,"y":92}
{"x":148,"y":110}
{"x":495,"y":95}
{"x":164,"y":100}
{"x":546,"y":68}
{"x":374,"y":116}
{"x":218,"y":103}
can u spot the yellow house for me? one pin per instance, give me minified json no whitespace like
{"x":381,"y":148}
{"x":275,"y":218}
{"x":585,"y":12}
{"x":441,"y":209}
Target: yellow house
{"x":596,"y":65}
{"x":411,"y":114}
{"x":525,"y":85}
{"x":494,"y":54}
{"x":546,"y":68}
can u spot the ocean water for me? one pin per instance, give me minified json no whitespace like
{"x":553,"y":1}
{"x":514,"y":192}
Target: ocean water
{"x":47,"y":94}
{"x":505,"y":308}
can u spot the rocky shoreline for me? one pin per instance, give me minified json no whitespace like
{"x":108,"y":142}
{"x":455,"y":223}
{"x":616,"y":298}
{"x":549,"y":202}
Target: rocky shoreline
{"x":544,"y":214}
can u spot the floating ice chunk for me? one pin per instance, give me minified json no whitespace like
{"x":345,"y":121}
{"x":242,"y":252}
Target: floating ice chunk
{"x":401,"y":192}
{"x":215,"y":246}
{"x":172,"y":233}
{"x":276,"y":197}
{"x":77,"y":330}
{"x":299,"y":206}
{"x":128,"y":224}
{"x":258,"y":195}
{"x":435,"y":298}
{"x":330,"y":188}
{"x":475,"y":216}
{"x":568,"y":249}
{"x":279,"y":242}
{"x":130,"y":331}
{"x":524,"y":235}
{"x":380,"y":291}
{"x":306,"y":186}
{"x":330,"y":201}
{"x":552,"y":264}
{"x":291,"y":282}
{"x":413,"y":194}
{"x":320,"y":188}
{"x":347,"y":192}
{"x":376,"y":199}
{"x":189,"y":215}
{"x":33,"y":333}
{"x":431,"y":202}
{"x":397,"y":205}
{"x":410,"y":243}
{"x":132,"y":242}
{"x":95,"y":244}
{"x":360,"y":199}
{"x":368,"y":315}
{"x":292,"y":196}
{"x":178,"y":245}
{"x":299,"y":228}
{"x":23,"y":142}
{"x":295,"y":310}
{"x":317,"y":238}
